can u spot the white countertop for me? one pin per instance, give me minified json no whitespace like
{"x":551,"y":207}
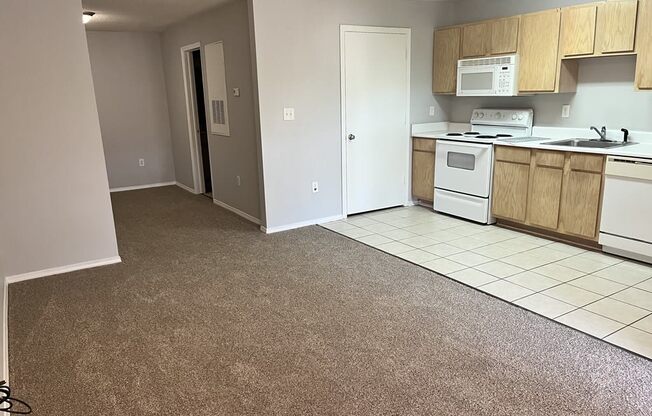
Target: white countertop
{"x":640,"y":150}
{"x":642,"y":147}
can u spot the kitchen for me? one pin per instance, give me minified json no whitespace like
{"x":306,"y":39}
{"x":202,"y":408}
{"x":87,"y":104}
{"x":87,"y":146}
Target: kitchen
{"x":572,"y":240}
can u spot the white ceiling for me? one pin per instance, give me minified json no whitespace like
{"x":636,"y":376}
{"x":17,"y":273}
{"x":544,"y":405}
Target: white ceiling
{"x":143,"y":15}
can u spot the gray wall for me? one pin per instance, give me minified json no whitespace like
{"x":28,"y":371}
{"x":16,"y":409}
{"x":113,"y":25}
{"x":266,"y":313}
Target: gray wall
{"x":298,"y":60}
{"x":230,"y":156}
{"x":605,"y":93}
{"x":54,"y":192}
{"x":132,"y":104}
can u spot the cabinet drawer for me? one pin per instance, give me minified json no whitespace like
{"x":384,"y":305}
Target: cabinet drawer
{"x":587,"y":163}
{"x":549,"y":158}
{"x":513,"y":154}
{"x":424,"y":145}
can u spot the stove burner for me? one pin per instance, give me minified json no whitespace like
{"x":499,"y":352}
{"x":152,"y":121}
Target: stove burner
{"x":504,"y":135}
{"x":454,"y":134}
{"x":486,"y":136}
{"x":471,"y":133}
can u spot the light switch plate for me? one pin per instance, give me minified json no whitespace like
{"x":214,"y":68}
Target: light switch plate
{"x":565,"y":111}
{"x":236,"y":92}
{"x":288,"y":114}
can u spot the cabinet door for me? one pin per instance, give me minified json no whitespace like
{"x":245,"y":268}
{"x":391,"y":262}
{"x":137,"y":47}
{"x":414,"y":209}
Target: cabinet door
{"x":509,"y":197}
{"x":578,"y":30}
{"x":538,"y":49}
{"x":581,"y":204}
{"x":423,"y":175}
{"x":445,"y":56}
{"x":617,"y":26}
{"x":504,"y":35}
{"x":545,"y":197}
{"x":474,"y":40}
{"x":644,"y":46}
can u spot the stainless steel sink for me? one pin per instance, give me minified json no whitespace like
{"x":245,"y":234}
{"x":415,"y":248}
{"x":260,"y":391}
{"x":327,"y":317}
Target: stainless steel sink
{"x":593,"y":143}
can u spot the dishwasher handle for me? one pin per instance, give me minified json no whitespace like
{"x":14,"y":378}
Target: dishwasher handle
{"x":627,"y":167}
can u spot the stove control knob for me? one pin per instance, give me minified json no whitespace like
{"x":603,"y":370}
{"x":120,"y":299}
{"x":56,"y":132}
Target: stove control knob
{"x":481,"y":115}
{"x":475,"y":114}
{"x":498,"y":115}
{"x":514,"y":116}
{"x":520,"y":116}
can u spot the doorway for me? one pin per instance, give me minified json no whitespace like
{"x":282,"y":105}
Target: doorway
{"x":197,"y":123}
{"x":375,"y":117}
{"x":202,"y":129}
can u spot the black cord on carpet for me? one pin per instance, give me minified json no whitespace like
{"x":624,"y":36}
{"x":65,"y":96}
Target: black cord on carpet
{"x":7,"y":402}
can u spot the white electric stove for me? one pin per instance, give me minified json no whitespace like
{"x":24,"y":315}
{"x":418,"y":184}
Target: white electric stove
{"x":464,"y":161}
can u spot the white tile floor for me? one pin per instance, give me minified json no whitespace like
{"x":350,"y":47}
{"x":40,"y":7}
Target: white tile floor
{"x":604,"y":296}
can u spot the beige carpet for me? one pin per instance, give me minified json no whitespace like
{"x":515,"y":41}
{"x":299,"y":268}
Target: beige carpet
{"x":208,"y":316}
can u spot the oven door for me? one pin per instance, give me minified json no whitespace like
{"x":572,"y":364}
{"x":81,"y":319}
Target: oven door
{"x":477,"y":81}
{"x":464,"y":167}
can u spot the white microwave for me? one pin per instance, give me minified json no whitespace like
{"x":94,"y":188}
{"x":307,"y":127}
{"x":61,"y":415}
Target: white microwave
{"x":480,"y":77}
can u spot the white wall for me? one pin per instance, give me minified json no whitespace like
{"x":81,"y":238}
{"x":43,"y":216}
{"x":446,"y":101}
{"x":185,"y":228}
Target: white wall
{"x":298,"y":65}
{"x":55,"y":208}
{"x":605,"y":93}
{"x":132,"y":103}
{"x":232,"y":156}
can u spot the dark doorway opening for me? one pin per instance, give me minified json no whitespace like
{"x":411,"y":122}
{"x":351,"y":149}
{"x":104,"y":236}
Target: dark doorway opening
{"x":202,"y":130}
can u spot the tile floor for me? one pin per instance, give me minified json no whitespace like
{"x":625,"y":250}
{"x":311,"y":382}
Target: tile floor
{"x":605,"y":296}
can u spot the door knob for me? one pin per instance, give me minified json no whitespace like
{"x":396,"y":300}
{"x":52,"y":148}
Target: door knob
{"x":351,"y":137}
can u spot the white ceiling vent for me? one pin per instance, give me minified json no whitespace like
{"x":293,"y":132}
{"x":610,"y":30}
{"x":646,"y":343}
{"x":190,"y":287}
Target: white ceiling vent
{"x":217,"y":93}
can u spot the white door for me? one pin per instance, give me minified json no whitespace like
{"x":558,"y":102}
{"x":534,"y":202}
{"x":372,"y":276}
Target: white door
{"x":376,"y":85}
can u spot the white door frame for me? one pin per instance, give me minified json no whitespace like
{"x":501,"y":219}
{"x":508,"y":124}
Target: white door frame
{"x":191,"y":113}
{"x":373,"y":29}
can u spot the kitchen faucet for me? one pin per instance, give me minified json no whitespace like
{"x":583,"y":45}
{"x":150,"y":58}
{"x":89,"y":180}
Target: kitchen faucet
{"x":602,"y":132}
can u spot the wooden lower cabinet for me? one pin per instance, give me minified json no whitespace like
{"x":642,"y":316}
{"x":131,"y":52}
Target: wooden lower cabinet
{"x":510,"y":190}
{"x":423,"y":169}
{"x":557,"y":191}
{"x":580,"y":208}
{"x":545,"y":197}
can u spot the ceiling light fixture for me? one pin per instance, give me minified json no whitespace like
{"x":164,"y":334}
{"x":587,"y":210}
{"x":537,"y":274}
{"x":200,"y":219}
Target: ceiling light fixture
{"x":87,"y":16}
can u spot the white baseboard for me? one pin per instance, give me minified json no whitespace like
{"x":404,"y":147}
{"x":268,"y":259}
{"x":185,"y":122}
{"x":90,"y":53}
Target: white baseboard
{"x":134,"y":188}
{"x":5,"y":332}
{"x":63,"y":269}
{"x":185,"y":188}
{"x":237,"y":211}
{"x":272,"y":230}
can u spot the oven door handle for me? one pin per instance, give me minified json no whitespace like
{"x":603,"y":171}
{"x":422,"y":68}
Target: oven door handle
{"x":464,"y":144}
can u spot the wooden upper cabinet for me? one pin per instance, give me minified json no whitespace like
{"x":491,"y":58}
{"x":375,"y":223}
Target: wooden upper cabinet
{"x":538,"y":49}
{"x":474,"y":40}
{"x":504,"y":35}
{"x":616,"y":28}
{"x":644,"y":46}
{"x":578,"y":30}
{"x":445,"y":56}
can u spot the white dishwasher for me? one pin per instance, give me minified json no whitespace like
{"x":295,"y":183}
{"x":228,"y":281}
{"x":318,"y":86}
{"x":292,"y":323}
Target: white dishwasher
{"x":626,"y":224}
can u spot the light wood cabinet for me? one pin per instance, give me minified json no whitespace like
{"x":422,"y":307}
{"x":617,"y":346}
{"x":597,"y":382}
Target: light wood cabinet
{"x":474,"y":40}
{"x":547,"y":173}
{"x":445,"y":56}
{"x":510,"y":190}
{"x":556,"y":191}
{"x":616,"y":28}
{"x":504,"y":35}
{"x":423,"y":169}
{"x":644,"y":46}
{"x":578,"y":30}
{"x":538,"y":49}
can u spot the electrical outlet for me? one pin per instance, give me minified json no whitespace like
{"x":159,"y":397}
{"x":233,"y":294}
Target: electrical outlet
{"x":288,"y":114}
{"x":431,"y":112}
{"x":565,"y":111}
{"x":315,"y":187}
{"x":141,"y":162}
{"x":237,"y":180}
